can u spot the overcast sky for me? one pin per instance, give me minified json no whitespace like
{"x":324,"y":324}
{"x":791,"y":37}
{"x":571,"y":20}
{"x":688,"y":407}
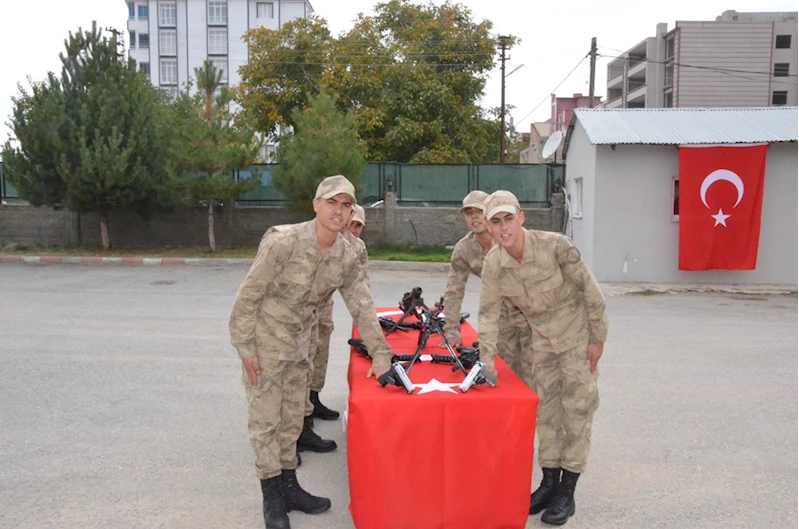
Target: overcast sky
{"x":555,"y":35}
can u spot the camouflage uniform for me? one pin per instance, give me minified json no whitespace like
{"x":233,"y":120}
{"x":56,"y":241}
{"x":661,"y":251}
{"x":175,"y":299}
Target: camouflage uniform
{"x":564,"y":306}
{"x":321,"y":353}
{"x":467,"y":257}
{"x":273,"y":319}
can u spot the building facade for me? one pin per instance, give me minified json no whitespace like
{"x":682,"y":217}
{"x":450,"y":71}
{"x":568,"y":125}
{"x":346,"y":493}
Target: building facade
{"x":738,"y":60}
{"x":622,"y":176}
{"x":168,"y":39}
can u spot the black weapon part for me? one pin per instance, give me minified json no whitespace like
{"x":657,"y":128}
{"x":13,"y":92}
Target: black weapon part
{"x":359,"y":346}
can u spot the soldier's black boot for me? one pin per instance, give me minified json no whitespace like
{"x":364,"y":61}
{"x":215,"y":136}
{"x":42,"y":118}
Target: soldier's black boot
{"x":298,"y":499}
{"x":275,"y":515}
{"x":322,"y":411}
{"x":562,"y":505}
{"x":542,"y":497}
{"x":309,"y":440}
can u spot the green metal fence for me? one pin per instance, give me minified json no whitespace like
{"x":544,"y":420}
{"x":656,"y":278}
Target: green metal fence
{"x":413,"y":184}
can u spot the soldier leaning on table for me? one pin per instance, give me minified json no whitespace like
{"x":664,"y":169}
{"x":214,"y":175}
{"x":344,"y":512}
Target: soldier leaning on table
{"x":541,"y":273}
{"x":314,"y":408}
{"x":272,"y":328}
{"x":467,"y":258}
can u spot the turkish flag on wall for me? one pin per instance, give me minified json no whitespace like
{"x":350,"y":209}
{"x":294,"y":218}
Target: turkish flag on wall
{"x":721,"y":197}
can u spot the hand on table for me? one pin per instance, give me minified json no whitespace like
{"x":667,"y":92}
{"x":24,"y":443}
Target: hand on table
{"x":377,"y":371}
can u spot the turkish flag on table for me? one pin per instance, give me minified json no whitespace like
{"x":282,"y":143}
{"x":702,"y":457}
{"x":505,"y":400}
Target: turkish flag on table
{"x":721,"y":197}
{"x":439,"y":458}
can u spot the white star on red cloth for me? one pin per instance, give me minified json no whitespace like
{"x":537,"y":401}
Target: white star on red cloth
{"x":721,"y":218}
{"x":435,"y":385}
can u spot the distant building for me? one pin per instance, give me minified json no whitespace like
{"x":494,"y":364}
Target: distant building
{"x":738,"y":60}
{"x":561,"y":114}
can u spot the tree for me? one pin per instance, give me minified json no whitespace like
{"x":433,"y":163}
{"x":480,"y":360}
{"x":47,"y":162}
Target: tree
{"x":323,"y":143}
{"x":208,"y":148}
{"x":285,"y":67}
{"x":92,"y":138}
{"x":411,"y":74}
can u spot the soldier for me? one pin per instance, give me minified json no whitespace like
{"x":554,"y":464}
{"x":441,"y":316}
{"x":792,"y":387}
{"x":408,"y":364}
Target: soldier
{"x":541,"y":273}
{"x":467,"y":257}
{"x":271,"y":327}
{"x":308,"y":439}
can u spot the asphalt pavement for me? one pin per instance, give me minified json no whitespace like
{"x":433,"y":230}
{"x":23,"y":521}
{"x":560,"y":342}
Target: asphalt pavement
{"x":121,"y":405}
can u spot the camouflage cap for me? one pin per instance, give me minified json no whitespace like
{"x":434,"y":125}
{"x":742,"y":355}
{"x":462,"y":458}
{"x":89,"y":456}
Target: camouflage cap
{"x":475,"y":199}
{"x":334,"y":185}
{"x":499,"y":202}
{"x":358,"y":214}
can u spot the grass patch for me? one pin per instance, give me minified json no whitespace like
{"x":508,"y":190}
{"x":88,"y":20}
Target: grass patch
{"x":380,"y":252}
{"x":647,"y":292}
{"x":426,"y":254}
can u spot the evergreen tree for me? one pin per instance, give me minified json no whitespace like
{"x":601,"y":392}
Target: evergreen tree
{"x":93,"y":138}
{"x":208,"y":148}
{"x":324,"y":143}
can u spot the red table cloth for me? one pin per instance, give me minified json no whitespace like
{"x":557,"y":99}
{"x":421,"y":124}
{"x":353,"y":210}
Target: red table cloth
{"x":438,"y":458}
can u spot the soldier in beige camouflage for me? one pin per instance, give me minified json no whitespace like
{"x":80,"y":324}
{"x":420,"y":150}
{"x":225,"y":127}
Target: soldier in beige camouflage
{"x":541,"y":273}
{"x":467,"y":258}
{"x":308,"y":440}
{"x":272,"y":329}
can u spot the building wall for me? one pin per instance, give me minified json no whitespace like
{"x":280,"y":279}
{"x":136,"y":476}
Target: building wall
{"x":389,"y":225}
{"x":788,"y":84}
{"x":731,"y":45}
{"x":581,"y":163}
{"x":636,"y":240}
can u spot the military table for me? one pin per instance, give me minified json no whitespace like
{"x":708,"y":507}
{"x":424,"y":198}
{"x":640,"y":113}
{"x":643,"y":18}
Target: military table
{"x":438,"y":458}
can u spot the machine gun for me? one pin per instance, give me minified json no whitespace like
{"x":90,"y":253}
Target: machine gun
{"x":408,"y":306}
{"x":469,"y":357}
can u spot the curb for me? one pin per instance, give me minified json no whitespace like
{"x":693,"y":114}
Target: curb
{"x":609,"y":289}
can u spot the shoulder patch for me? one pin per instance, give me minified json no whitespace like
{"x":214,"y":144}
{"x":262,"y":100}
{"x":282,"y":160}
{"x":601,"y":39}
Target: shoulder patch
{"x":572,"y":255}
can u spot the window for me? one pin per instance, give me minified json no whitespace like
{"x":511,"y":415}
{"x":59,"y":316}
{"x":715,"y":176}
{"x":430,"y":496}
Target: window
{"x":145,"y":67}
{"x":783,"y":42}
{"x":171,"y":91}
{"x":265,"y":10}
{"x":167,"y":13}
{"x":668,"y":100}
{"x":267,"y":153}
{"x":133,"y":62}
{"x":675,"y":198}
{"x":131,"y":11}
{"x":670,"y":48}
{"x":168,"y":42}
{"x":217,"y":41}
{"x":132,"y":39}
{"x":169,"y":71}
{"x":144,"y":40}
{"x":221,"y":64}
{"x":782,"y":69}
{"x":779,"y":98}
{"x":669,"y":75}
{"x":217,"y":13}
{"x":576,"y":199}
{"x":144,"y":12}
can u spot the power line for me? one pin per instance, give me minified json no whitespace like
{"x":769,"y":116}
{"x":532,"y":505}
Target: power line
{"x":554,"y":89}
{"x":645,"y":59}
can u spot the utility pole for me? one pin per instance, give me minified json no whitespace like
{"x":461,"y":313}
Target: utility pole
{"x":593,"y":74}
{"x":118,"y":40}
{"x":503,"y":45}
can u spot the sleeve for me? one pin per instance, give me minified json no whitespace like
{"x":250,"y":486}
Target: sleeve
{"x":356,"y":295}
{"x":574,"y":268}
{"x":459,"y":271}
{"x":272,"y":255}
{"x":363,"y":259}
{"x":489,"y":313}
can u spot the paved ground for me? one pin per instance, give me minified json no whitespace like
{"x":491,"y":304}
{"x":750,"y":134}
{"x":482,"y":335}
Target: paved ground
{"x":121,"y":405}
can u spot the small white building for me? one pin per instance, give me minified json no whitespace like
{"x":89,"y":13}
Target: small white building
{"x":622,"y":176}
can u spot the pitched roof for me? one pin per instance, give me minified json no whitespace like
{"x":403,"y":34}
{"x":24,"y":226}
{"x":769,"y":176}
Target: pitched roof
{"x":680,"y":126}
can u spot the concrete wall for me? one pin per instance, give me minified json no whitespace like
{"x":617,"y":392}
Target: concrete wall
{"x":581,"y":163}
{"x":636,"y":240}
{"x":440,"y":226}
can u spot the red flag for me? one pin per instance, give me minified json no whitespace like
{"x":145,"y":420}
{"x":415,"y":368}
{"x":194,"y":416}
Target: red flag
{"x":721,"y":196}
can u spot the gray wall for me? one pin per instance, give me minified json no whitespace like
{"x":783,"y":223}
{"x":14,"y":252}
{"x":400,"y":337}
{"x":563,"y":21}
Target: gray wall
{"x":581,"y":158}
{"x":634,"y":225}
{"x":390,"y":225}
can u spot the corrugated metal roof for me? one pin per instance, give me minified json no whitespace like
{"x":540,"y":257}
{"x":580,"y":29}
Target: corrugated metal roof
{"x":680,"y":126}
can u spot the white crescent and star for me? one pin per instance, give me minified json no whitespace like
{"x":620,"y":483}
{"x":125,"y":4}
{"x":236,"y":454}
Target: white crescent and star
{"x":712,"y":178}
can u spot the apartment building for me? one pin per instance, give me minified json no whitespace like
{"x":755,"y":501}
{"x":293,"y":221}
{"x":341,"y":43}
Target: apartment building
{"x":738,"y":60}
{"x":168,"y":39}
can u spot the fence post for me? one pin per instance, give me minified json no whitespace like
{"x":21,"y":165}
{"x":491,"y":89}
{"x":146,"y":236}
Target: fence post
{"x":390,"y":205}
